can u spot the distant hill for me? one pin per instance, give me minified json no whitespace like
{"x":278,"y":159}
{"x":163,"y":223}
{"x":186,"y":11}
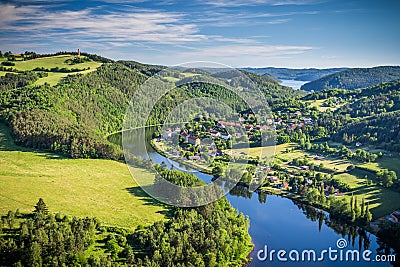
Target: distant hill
{"x":370,"y":116}
{"x":295,"y":74}
{"x":355,"y":78}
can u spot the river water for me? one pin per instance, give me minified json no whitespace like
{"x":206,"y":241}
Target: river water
{"x":293,"y":83}
{"x":282,"y":224}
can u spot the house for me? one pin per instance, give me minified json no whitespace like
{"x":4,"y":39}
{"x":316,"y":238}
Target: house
{"x":194,"y":140}
{"x":249,"y":127}
{"x":226,"y":136}
{"x":270,"y":121}
{"x":282,"y":185}
{"x":297,"y":113}
{"x":219,"y":153}
{"x":273,"y":179}
{"x":308,"y":121}
{"x":305,"y":168}
{"x":395,"y":217}
{"x":215,"y":133}
{"x":194,"y":157}
{"x":221,"y":124}
{"x":167,"y":134}
{"x":185,"y":135}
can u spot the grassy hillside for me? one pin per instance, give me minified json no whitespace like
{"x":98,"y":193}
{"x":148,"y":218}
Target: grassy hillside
{"x":382,"y":201}
{"x":53,"y":65}
{"x":355,"y":78}
{"x":76,"y":187}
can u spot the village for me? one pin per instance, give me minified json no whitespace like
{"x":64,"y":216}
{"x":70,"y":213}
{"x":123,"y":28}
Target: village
{"x":222,"y":133}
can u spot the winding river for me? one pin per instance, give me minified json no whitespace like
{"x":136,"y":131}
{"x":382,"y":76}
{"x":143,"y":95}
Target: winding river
{"x":282,"y":224}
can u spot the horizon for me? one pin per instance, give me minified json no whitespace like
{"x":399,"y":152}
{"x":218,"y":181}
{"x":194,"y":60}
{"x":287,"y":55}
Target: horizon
{"x":238,"y":67}
{"x":299,"y":34}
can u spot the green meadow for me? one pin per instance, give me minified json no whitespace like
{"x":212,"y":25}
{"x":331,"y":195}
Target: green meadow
{"x":73,"y":187}
{"x":51,"y":62}
{"x":382,"y":201}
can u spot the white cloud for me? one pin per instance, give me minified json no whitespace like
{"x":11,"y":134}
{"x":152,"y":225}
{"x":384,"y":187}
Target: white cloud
{"x":238,"y":3}
{"x":131,"y":25}
{"x":241,"y":51}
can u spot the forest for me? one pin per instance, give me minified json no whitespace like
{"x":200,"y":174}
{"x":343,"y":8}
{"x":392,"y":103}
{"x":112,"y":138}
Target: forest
{"x":354,"y":78}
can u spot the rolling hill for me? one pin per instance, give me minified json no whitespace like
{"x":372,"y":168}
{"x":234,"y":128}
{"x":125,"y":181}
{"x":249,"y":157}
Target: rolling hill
{"x":74,"y":116}
{"x":355,"y":78}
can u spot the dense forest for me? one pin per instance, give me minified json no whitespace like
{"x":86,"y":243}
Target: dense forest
{"x":355,"y":78}
{"x":369,"y":116}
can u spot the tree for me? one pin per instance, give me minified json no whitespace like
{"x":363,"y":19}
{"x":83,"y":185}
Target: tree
{"x":10,"y":219}
{"x":35,"y":255}
{"x":367,"y":215}
{"x":350,"y":168}
{"x":217,"y":171}
{"x":41,"y":207}
{"x":351,"y":202}
{"x":356,"y":209}
{"x":387,"y":177}
{"x":362,"y":207}
{"x":332,"y":190}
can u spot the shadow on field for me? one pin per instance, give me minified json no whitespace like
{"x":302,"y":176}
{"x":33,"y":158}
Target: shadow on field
{"x":7,"y":144}
{"x":138,"y":192}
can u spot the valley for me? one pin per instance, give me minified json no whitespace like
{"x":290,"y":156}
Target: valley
{"x":335,"y":150}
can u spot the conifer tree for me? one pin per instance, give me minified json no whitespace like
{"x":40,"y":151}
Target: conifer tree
{"x":41,"y":207}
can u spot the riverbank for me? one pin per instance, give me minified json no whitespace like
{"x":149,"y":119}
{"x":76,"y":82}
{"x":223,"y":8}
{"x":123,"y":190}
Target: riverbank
{"x":156,"y":146}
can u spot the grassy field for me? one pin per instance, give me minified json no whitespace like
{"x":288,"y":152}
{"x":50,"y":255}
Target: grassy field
{"x":76,"y":187}
{"x":382,"y":201}
{"x":3,"y":73}
{"x":282,"y":155}
{"x":318,"y":105}
{"x":391,"y":163}
{"x":51,"y":62}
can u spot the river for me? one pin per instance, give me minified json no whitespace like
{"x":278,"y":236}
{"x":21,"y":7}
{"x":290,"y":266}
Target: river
{"x":280,"y":223}
{"x":293,"y":83}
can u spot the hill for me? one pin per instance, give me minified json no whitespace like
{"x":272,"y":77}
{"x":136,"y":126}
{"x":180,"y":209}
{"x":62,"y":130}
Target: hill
{"x":295,"y":74}
{"x":74,"y":116}
{"x":355,"y":78}
{"x":369,"y":116}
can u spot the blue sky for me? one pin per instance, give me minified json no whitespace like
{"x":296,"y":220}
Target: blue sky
{"x":238,"y":33}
